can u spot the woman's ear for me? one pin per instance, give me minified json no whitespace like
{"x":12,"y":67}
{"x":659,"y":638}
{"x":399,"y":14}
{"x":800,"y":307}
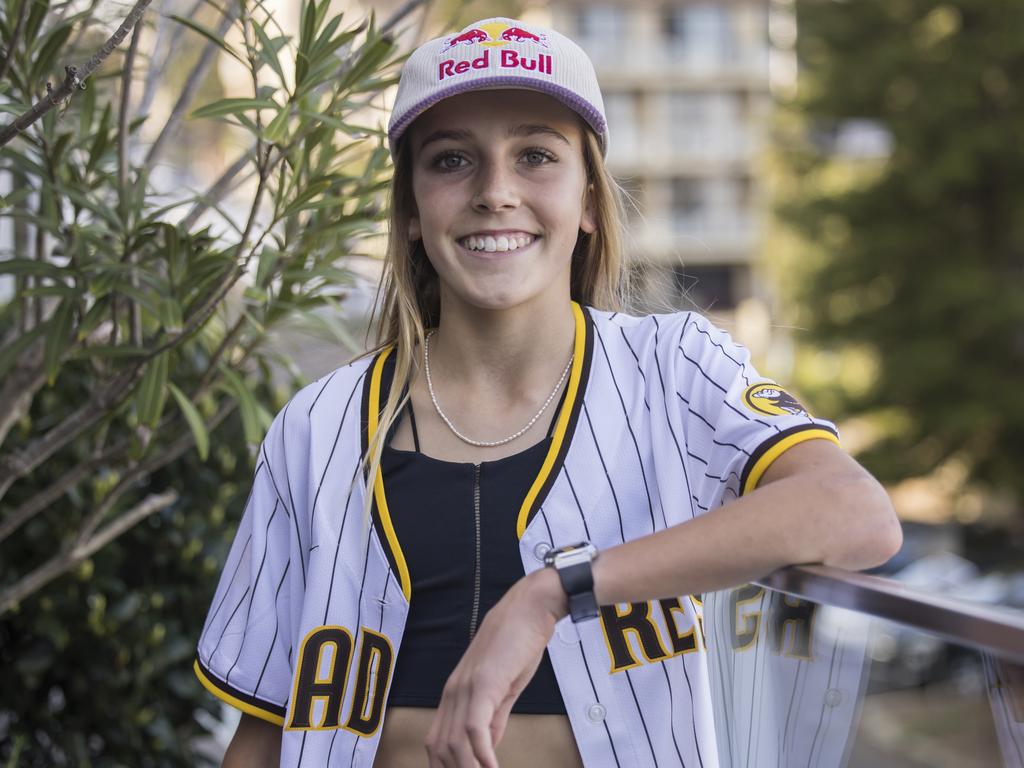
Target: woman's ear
{"x":588,"y":219}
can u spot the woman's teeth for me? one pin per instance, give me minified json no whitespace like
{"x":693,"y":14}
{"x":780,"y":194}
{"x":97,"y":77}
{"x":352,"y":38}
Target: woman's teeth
{"x":500,"y":243}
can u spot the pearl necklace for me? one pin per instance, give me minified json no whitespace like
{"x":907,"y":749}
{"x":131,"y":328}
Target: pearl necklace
{"x":484,"y":444}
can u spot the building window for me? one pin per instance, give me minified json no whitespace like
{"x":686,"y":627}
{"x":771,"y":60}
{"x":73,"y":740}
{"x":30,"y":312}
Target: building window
{"x":704,"y":288}
{"x":689,"y":204}
{"x":601,"y":25}
{"x":701,"y":35}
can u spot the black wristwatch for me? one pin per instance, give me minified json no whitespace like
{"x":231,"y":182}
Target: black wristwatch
{"x":573,"y":565}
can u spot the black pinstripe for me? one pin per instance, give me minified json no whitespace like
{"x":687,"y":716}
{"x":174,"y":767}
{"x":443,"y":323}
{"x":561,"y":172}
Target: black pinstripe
{"x":639,"y":367}
{"x":255,"y":585}
{"x":241,"y":558}
{"x":760,"y":649}
{"x":288,"y":486}
{"x":725,"y":654}
{"x":668,"y":421}
{"x":821,"y":714}
{"x":293,"y":516}
{"x":632,"y":435}
{"x":715,"y":343}
{"x":586,"y":666}
{"x":798,"y":678}
{"x":359,"y":619}
{"x":228,"y":622}
{"x":277,"y":629}
{"x":565,"y":469}
{"x":697,"y":366}
{"x":643,"y":721}
{"x":600,"y":457}
{"x":317,"y":398}
{"x":337,"y":435}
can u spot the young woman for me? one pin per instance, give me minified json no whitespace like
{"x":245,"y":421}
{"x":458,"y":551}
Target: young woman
{"x":486,"y":541}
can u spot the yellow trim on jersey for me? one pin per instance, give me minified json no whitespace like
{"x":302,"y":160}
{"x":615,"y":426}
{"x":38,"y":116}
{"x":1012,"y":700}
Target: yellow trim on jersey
{"x":765,"y":461}
{"x":563,"y":419}
{"x":378,"y":482}
{"x":249,"y":709}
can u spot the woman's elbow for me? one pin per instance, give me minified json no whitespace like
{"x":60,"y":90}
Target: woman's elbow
{"x":870,"y":533}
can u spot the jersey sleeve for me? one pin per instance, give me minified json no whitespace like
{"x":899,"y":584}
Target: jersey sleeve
{"x":243,"y":652}
{"x":736,"y":421}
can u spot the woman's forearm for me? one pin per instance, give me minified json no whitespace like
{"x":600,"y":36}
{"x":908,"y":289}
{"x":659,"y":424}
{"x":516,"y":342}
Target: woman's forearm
{"x":256,"y":744}
{"x":843,"y":519}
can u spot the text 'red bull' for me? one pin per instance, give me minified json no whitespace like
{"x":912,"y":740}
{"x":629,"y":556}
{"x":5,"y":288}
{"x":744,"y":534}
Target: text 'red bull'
{"x":509,"y":59}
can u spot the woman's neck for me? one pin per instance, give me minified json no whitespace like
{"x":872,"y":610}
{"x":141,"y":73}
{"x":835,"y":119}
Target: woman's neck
{"x":509,"y":354}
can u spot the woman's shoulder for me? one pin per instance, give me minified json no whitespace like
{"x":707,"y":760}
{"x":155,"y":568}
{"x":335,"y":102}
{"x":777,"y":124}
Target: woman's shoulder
{"x":658,"y":326}
{"x":323,"y":402}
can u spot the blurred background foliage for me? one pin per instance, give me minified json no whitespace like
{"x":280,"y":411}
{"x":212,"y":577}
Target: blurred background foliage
{"x":909,"y":271}
{"x":137,"y":378}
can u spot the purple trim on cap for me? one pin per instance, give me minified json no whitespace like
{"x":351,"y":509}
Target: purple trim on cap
{"x":570,"y":98}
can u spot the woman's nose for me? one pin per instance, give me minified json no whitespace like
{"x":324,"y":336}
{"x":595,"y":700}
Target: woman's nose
{"x":496,"y":188}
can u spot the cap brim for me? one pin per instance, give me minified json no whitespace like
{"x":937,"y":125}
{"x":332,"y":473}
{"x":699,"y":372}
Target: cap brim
{"x":582,"y":107}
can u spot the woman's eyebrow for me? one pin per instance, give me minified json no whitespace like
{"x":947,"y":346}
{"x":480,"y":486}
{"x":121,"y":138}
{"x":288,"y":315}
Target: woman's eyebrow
{"x":462,"y":134}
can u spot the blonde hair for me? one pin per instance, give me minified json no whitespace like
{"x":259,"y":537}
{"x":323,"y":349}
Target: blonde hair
{"x":410,"y":295}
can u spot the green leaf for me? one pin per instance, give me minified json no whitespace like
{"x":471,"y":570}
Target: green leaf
{"x":278,"y":126}
{"x":212,"y":36}
{"x":233,"y":106}
{"x":52,"y":44}
{"x":96,"y":314}
{"x":152,"y":391}
{"x":269,"y":49}
{"x":100,"y":142}
{"x":37,"y":268}
{"x":247,"y":407}
{"x":36,"y":14}
{"x":311,"y":191}
{"x":269,"y":257}
{"x":170,"y":314}
{"x":194,"y":419}
{"x":57,"y":337}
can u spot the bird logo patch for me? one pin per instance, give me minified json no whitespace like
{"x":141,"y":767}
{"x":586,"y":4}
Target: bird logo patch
{"x":769,"y":399}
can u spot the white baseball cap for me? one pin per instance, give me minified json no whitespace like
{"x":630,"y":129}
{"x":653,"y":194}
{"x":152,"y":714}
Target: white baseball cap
{"x":498,"y":53}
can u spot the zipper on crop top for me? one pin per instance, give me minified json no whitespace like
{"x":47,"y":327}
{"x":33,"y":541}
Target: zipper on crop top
{"x":476,"y":570}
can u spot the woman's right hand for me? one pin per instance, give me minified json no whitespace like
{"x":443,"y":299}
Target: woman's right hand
{"x":256,"y":744}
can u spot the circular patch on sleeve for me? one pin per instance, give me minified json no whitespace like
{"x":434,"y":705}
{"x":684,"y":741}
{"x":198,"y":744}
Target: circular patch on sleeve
{"x":770,"y":399}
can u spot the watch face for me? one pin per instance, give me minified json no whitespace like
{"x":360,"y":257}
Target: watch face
{"x":571,"y":553}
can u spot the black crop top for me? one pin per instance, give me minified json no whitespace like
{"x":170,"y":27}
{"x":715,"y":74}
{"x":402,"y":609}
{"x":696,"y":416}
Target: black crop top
{"x":432,"y":508}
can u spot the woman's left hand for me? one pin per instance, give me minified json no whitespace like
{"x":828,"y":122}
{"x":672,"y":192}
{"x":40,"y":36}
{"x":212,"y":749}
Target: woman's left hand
{"x":499,"y":663}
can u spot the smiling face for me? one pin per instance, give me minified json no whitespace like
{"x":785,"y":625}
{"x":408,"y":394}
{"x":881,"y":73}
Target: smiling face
{"x":501,"y":196}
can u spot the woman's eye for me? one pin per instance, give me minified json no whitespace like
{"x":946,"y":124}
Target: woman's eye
{"x":442,"y":161}
{"x":538,"y":156}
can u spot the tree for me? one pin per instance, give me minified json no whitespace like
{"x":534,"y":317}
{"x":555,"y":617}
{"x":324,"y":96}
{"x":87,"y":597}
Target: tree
{"x":914,"y":261}
{"x":134,"y":359}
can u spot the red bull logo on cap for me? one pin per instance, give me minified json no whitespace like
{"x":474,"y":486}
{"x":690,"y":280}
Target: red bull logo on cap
{"x":496,"y":35}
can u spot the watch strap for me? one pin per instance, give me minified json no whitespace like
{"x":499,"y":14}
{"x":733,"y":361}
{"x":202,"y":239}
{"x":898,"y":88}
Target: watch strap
{"x":578,"y":583}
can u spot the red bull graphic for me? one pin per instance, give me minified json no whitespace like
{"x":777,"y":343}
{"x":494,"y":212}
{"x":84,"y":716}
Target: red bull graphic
{"x":468,"y":37}
{"x":509,"y":60}
{"x":520,"y":35}
{"x":496,"y":35}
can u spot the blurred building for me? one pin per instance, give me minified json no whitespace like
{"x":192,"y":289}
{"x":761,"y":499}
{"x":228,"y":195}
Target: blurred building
{"x":687,"y":96}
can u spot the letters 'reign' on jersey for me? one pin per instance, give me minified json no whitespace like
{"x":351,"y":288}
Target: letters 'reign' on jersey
{"x":664,"y":419}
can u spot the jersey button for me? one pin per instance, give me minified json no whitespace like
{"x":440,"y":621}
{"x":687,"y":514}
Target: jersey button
{"x":833,"y":696}
{"x":540,"y":550}
{"x":595,"y":713}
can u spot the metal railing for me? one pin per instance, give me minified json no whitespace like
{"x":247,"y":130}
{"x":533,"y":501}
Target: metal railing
{"x":998,"y":630}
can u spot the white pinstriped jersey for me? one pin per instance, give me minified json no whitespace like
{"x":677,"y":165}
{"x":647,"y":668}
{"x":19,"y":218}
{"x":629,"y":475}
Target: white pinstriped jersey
{"x":664,"y":418}
{"x":788,"y":678}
